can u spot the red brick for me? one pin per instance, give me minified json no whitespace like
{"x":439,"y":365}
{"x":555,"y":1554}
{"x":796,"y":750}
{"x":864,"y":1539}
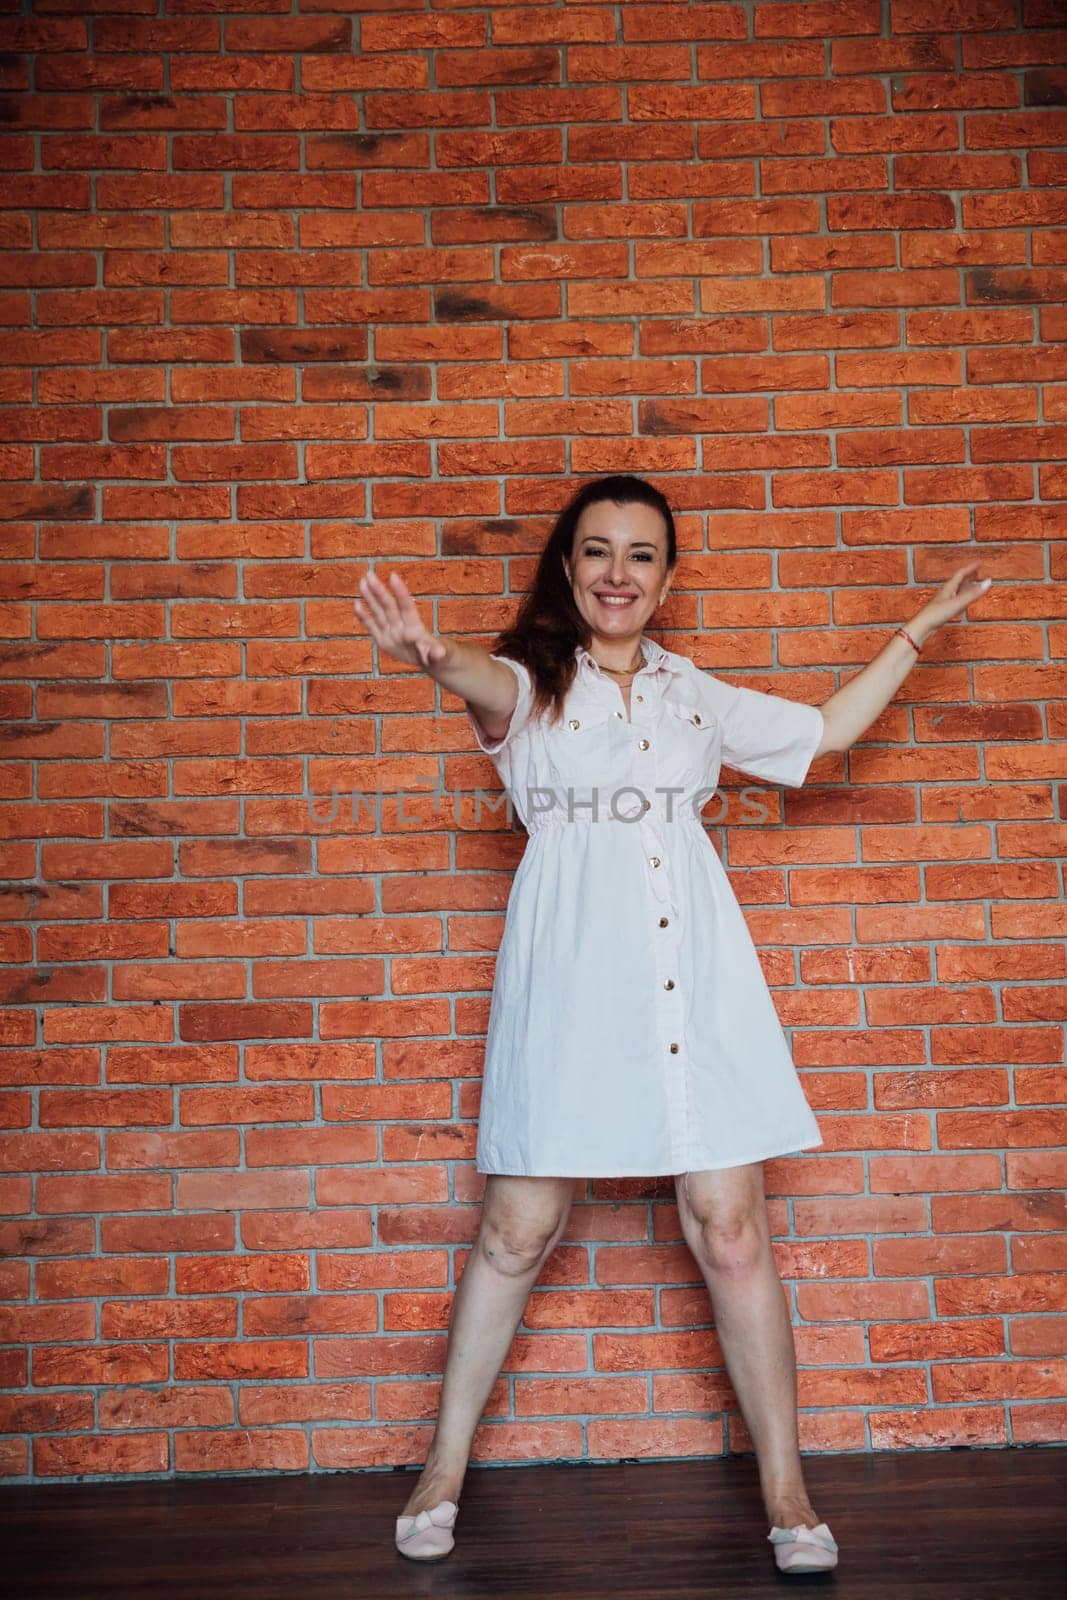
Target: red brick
{"x":233,"y":306}
{"x":1010,"y":49}
{"x":755,"y":59}
{"x":209,"y":230}
{"x":230,"y":72}
{"x":823,"y":255}
{"x":528,"y":26}
{"x":97,"y":154}
{"x":38,"y":348}
{"x":185,"y":422}
{"x":818,"y":97}
{"x":190,"y":111}
{"x":233,"y":463}
{"x":524,"y":145}
{"x":822,"y":177}
{"x":50,"y":422}
{"x":411,"y":32}
{"x":109,"y":308}
{"x":702,"y":103}
{"x":966,"y":484}
{"x":968,"y":327}
{"x":858,"y":135}
{"x":961,"y":249}
{"x":964,"y":89}
{"x":37,"y":37}
{"x":766,"y":138}
{"x":132,"y":74}
{"x":287,"y":35}
{"x":288,"y":112}
{"x":171,"y":191}
{"x":525,"y":108}
{"x":931,"y":288}
{"x":1043,"y":208}
{"x":215,"y":151}
{"x":836,"y":489}
{"x":651,"y":181}
{"x":803,"y":18}
{"x":293,"y":193}
{"x":346,"y":151}
{"x":149,"y":36}
{"x":117,"y":232}
{"x":206,"y":344}
{"x":715,"y":217}
{"x":466,"y":108}
{"x":852,"y":330}
{"x":1021,"y":129}
{"x":46,"y":193}
{"x":924,"y":16}
{"x":127,"y":267}
{"x":995,"y":287}
{"x":50,"y":111}
{"x":541,"y":64}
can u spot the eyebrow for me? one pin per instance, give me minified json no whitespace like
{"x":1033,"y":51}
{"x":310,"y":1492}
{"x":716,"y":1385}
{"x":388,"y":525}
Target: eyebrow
{"x":598,"y":538}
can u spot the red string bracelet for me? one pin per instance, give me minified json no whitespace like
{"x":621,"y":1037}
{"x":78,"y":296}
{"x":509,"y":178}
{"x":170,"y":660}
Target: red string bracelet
{"x":906,"y":635}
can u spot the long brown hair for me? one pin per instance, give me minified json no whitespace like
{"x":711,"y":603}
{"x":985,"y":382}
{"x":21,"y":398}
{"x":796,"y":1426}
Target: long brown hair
{"x":549,"y":626}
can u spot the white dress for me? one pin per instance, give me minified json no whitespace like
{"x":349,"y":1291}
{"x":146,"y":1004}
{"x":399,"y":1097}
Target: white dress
{"x":631,"y":1030}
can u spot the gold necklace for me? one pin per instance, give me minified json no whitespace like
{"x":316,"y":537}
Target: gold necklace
{"x":622,"y":672}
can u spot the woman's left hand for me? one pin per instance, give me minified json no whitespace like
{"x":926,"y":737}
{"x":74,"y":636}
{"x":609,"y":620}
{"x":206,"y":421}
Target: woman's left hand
{"x":954,"y":596}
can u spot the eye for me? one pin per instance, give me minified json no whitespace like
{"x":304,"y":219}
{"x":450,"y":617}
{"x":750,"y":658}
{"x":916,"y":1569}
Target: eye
{"x":599,"y":550}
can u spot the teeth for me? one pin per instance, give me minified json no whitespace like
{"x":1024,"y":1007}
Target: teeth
{"x":614,"y":600}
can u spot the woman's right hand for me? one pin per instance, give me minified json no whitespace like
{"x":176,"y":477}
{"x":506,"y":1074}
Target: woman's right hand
{"x":395,"y":624}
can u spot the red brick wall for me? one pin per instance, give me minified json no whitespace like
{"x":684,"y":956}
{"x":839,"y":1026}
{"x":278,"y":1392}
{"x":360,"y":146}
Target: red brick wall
{"x":288,"y":291}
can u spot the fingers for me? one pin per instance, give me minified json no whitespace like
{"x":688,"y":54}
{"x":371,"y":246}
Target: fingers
{"x":405,"y":605}
{"x":377,"y":596}
{"x":387,"y":604}
{"x":392,"y":618}
{"x":374,"y":622}
{"x":378,"y":608}
{"x":972,"y":585}
{"x":965,"y":582}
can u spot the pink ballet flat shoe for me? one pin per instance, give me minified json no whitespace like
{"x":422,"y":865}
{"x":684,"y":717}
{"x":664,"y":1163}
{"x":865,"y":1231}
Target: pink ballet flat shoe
{"x":803,"y":1549}
{"x":427,"y":1536}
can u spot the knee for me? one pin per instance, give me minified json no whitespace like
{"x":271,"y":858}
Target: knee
{"x":515,"y":1251}
{"x":732,"y":1243}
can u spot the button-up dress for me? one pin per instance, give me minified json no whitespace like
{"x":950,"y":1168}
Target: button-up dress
{"x":631,"y":1030}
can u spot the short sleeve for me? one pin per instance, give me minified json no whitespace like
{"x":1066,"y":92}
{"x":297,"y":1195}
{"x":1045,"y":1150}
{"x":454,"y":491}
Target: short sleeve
{"x":764,"y":734}
{"x":519,"y":717}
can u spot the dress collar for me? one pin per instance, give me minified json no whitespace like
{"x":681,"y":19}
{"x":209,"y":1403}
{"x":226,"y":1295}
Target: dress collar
{"x":656,"y":658}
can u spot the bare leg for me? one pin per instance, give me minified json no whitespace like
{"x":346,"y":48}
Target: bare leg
{"x":522,"y":1221}
{"x":724,"y":1220}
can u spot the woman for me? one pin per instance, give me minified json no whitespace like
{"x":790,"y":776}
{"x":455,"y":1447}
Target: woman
{"x":631,"y":1031}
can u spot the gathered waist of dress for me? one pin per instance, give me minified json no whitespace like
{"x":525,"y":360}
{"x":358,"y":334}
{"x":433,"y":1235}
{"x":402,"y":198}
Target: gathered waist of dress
{"x":682,"y":816}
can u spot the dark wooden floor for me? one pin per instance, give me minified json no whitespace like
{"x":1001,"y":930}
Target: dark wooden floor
{"x":929,"y":1525}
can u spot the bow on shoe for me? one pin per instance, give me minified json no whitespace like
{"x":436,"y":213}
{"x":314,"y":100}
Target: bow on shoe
{"x":441,"y":1516}
{"x":427,"y":1536}
{"x":802,"y":1549}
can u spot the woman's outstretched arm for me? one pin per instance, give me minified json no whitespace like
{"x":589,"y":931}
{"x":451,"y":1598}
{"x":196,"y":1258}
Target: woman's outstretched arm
{"x":392,"y":618}
{"x":850,"y":711}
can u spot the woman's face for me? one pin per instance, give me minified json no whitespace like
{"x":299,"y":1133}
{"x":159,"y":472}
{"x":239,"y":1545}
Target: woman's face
{"x":618,"y":568}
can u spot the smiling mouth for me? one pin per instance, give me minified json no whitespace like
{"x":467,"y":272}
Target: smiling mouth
{"x":616,"y":600}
